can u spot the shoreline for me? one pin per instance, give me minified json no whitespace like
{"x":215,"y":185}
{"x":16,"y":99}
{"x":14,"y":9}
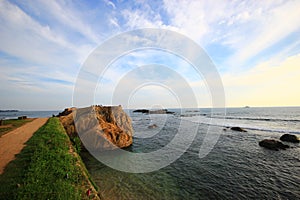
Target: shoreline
{"x":49,"y":153}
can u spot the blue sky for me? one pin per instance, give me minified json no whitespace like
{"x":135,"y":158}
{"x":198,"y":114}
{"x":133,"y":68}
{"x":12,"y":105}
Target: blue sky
{"x":255,"y":46}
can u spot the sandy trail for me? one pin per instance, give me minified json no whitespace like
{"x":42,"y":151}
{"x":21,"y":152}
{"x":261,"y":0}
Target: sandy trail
{"x":13,"y":142}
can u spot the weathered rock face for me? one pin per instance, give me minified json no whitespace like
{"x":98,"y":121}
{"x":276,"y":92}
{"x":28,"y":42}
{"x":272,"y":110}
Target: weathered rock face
{"x":289,"y":138}
{"x":99,"y":127}
{"x":273,"y":144}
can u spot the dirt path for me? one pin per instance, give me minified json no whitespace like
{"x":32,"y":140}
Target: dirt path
{"x":13,"y":142}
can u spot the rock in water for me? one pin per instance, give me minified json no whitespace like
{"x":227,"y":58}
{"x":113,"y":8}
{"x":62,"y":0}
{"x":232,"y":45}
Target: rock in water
{"x":236,"y":128}
{"x":273,"y":144}
{"x":289,"y":138}
{"x":100,"y":127}
{"x":152,"y":126}
{"x":162,"y":111}
{"x":141,"y":111}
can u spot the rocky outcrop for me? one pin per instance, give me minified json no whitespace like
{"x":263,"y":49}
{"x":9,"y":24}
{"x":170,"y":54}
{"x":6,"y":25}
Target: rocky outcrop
{"x":99,"y":127}
{"x":236,"y":128}
{"x":273,"y":144}
{"x":289,"y":138}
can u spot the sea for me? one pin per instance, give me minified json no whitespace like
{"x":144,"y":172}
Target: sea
{"x":235,"y":167}
{"x":14,"y":114}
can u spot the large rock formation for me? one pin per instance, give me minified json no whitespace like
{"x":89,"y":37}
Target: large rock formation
{"x":273,"y":144}
{"x":289,"y":138}
{"x":99,"y":127}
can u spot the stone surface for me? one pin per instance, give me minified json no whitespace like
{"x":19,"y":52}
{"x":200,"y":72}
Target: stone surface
{"x":273,"y":144}
{"x":289,"y":138}
{"x":99,"y":127}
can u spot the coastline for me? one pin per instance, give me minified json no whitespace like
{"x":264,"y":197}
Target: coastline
{"x":48,"y":167}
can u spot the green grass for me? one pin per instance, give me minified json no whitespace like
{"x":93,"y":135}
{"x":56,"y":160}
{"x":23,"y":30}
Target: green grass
{"x":40,"y":170}
{"x":11,"y":124}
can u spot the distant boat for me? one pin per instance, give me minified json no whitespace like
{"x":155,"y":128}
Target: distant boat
{"x":247,"y":106}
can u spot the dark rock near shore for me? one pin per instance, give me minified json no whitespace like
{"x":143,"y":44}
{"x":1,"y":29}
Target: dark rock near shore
{"x":289,"y":138}
{"x":162,"y":111}
{"x":236,"y":128}
{"x":141,"y":111}
{"x":273,"y":144}
{"x":100,"y":127}
{"x":66,"y":112}
{"x":152,"y":126}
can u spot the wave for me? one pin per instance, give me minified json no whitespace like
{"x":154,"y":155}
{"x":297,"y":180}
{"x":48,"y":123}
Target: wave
{"x":244,"y":126}
{"x":258,"y":119}
{"x":271,"y":130}
{"x":243,"y":118}
{"x":256,"y":128}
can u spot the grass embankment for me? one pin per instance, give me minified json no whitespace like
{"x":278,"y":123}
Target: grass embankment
{"x":11,"y":124}
{"x":47,"y":168}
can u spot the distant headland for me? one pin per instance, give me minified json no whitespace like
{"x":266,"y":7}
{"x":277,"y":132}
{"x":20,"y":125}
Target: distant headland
{"x":9,"y":111}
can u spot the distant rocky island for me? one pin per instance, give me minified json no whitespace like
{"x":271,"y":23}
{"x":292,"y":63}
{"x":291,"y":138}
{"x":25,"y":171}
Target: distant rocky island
{"x":161,"y":111}
{"x":9,"y":111}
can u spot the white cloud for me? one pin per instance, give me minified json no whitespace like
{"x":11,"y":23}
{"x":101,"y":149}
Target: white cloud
{"x":25,"y":38}
{"x":71,"y":18}
{"x":141,"y":19}
{"x":271,"y":26}
{"x":109,"y":3}
{"x":189,"y":17}
{"x":247,"y":28}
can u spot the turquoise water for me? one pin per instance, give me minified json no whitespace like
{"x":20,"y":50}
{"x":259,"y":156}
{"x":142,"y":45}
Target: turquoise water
{"x":236,"y":168}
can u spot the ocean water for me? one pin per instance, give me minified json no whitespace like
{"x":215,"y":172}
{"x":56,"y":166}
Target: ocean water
{"x":29,"y":114}
{"x":235,"y":168}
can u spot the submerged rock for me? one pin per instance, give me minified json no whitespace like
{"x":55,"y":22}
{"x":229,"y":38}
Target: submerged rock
{"x":152,"y":126}
{"x":273,"y":144}
{"x":100,"y":127}
{"x":289,"y":138}
{"x":236,"y":128}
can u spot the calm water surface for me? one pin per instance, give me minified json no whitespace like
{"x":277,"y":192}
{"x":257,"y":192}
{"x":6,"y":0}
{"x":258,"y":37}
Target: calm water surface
{"x":236,"y":168}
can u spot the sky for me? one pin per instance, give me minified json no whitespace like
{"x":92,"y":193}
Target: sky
{"x":254,"y":45}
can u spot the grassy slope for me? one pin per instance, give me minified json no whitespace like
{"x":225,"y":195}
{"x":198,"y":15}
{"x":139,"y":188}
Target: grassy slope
{"x":11,"y":124}
{"x":46,"y":168}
